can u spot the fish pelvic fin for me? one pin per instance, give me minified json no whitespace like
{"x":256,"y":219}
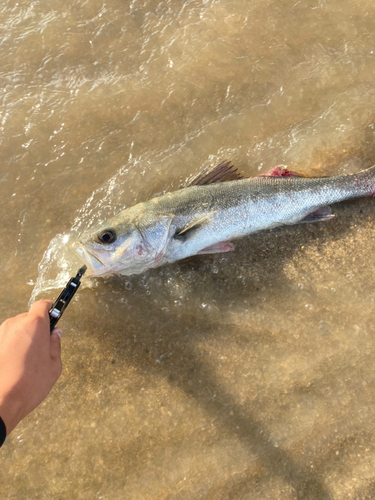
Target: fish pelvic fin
{"x":221,"y":247}
{"x":223,"y":172}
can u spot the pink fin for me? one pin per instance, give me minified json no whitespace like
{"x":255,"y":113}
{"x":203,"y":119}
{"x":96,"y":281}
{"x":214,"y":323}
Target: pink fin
{"x":223,"y":246}
{"x":223,"y":172}
{"x":280,"y":171}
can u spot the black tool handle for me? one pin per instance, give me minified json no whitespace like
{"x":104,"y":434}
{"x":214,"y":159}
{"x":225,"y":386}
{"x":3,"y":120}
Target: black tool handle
{"x":62,"y":301}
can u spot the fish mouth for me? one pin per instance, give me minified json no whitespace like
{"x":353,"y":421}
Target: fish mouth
{"x":94,"y":265}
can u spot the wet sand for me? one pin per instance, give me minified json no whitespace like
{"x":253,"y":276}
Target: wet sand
{"x":246,"y":375}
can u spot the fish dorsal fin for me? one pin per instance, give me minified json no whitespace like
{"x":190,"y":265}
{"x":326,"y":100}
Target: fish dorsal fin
{"x":223,"y":172}
{"x":280,"y":171}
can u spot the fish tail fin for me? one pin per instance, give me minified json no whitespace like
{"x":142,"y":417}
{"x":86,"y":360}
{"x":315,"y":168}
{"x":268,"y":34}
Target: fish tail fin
{"x":365,"y":180}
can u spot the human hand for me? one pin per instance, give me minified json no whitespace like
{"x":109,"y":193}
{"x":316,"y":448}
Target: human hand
{"x":30,"y":362}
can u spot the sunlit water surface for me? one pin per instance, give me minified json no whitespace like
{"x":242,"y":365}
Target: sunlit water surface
{"x":247,"y":375}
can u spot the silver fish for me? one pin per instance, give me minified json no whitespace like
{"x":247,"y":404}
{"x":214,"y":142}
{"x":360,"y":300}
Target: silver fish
{"x":215,"y":207}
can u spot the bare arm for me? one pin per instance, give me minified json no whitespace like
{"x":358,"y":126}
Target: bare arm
{"x":30,"y":362}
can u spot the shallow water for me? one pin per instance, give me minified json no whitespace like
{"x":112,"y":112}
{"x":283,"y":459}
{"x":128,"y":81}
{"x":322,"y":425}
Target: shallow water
{"x":247,"y":375}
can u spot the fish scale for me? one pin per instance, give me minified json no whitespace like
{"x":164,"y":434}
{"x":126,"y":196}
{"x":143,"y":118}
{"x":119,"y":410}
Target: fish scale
{"x":205,"y":218}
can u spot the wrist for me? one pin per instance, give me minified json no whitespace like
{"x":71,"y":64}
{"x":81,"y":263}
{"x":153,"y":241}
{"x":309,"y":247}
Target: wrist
{"x":10,"y":413}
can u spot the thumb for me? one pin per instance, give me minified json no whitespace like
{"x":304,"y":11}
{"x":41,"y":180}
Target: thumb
{"x":55,"y":345}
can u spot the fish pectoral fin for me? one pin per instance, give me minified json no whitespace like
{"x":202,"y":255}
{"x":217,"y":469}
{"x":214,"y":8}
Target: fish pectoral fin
{"x":221,"y":247}
{"x":320,"y":215}
{"x":223,"y":172}
{"x":192,"y":227}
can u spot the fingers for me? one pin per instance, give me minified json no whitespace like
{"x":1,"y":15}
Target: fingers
{"x":55,"y":351}
{"x":55,"y":348}
{"x":58,"y":331}
{"x":41,"y":308}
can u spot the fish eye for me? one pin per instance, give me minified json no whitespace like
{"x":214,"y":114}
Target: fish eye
{"x":107,"y":236}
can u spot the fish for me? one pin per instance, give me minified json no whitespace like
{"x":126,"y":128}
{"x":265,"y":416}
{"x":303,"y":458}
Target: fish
{"x":208,"y":212}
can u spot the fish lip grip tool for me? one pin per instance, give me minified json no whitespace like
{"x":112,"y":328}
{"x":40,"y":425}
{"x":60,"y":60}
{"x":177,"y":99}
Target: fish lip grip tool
{"x":66,"y":295}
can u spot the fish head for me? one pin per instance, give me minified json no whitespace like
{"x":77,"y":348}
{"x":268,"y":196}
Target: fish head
{"x":129,"y":243}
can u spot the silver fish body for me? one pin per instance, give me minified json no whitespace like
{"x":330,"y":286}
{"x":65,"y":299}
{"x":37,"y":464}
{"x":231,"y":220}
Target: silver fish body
{"x":205,"y":218}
